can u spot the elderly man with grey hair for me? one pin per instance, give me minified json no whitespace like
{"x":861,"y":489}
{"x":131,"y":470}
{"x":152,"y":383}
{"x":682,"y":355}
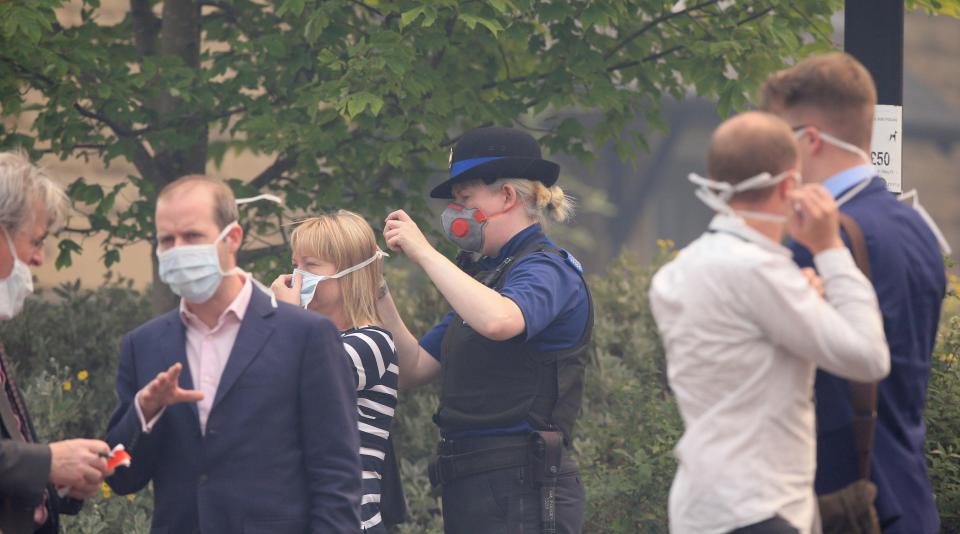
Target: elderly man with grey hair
{"x":32,"y":474}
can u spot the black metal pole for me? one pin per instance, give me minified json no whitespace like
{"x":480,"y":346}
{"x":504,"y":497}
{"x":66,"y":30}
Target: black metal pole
{"x":873,"y":33}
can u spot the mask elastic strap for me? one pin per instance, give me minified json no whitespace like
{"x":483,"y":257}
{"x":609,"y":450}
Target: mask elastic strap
{"x":521,"y":202}
{"x":266,"y":196}
{"x":839,"y":143}
{"x":376,"y":255}
{"x":237,"y":270}
{"x":13,"y":249}
{"x":915,"y":197}
{"x":226,"y":230}
{"x":716,"y":194}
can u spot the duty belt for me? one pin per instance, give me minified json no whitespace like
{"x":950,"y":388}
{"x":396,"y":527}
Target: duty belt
{"x":458,"y":459}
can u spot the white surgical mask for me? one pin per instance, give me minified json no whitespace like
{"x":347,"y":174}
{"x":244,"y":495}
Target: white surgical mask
{"x":193,"y":271}
{"x":14,"y":288}
{"x":310,"y":280}
{"x":717,"y":195}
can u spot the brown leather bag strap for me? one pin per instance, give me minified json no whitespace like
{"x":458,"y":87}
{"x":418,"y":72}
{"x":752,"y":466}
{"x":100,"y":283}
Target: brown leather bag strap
{"x":863,"y":396}
{"x":858,"y":245}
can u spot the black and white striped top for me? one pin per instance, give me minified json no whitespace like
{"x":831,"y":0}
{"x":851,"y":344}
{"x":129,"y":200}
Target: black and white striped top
{"x":374,"y":358}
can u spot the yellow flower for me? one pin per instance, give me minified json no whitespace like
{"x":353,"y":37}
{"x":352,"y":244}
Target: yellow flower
{"x":68,"y":385}
{"x":83,"y":375}
{"x":106,"y":490}
{"x":949,"y":357}
{"x":130,"y":497}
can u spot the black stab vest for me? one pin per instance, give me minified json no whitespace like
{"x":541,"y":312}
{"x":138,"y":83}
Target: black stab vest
{"x":496,"y":384}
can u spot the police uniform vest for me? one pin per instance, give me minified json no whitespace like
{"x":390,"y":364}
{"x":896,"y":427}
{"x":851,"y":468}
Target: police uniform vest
{"x":499,"y":384}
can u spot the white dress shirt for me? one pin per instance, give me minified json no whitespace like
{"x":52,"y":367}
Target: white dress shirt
{"x":744,"y":333}
{"x":208,"y":350}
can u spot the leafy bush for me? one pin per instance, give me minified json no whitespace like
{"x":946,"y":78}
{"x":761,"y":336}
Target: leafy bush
{"x":65,"y":352}
{"x":943,"y":414}
{"x":65,"y":349}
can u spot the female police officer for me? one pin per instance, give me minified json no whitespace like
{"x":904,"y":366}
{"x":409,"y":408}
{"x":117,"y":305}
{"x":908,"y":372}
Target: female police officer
{"x":510,"y":355}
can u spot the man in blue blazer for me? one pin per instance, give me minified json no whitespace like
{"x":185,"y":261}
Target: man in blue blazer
{"x":240,"y":410}
{"x":830,"y":100}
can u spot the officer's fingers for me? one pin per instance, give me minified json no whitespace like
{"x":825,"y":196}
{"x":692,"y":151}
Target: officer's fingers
{"x":402,"y":215}
{"x":392,"y":233}
{"x":397,"y":215}
{"x":393,"y":243}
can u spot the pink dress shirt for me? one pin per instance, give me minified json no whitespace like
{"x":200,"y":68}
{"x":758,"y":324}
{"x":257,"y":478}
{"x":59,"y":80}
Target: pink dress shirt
{"x":208,"y":350}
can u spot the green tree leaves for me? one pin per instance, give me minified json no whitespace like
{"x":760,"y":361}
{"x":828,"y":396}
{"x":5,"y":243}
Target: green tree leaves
{"x":358,"y":102}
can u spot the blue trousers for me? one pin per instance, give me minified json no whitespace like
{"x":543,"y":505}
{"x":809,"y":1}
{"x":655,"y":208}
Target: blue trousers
{"x":507,"y":501}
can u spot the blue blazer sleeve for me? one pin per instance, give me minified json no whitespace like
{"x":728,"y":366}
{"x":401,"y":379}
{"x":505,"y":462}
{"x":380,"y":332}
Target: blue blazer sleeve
{"x":124,"y":427}
{"x":330,"y":438}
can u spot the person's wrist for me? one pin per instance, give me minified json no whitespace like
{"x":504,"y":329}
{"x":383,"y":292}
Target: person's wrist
{"x":423,"y":255}
{"x":827,"y":244}
{"x":147,"y":407}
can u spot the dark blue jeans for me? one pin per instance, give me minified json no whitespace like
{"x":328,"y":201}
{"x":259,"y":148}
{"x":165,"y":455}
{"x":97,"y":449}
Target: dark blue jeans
{"x":507,"y":501}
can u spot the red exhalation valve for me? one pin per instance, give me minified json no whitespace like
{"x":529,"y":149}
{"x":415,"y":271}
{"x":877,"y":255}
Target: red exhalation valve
{"x":460,"y":227}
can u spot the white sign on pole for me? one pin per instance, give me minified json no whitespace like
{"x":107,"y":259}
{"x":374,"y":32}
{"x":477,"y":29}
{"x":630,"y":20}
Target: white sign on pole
{"x":886,"y":147}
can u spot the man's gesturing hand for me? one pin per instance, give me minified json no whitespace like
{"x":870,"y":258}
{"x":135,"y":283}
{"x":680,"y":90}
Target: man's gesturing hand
{"x":165,"y":390}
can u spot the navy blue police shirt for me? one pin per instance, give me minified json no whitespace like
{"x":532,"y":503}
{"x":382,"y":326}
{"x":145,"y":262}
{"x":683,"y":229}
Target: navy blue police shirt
{"x":550,"y":292}
{"x":910,"y":281}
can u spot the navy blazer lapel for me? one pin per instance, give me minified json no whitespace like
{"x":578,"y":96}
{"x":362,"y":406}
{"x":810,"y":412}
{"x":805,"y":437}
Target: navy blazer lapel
{"x":254,"y":331}
{"x":173,"y":344}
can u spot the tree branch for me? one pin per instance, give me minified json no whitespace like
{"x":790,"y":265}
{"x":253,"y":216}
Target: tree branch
{"x":80,"y":231}
{"x":370,"y":9}
{"x":231,"y":13}
{"x":30,"y":74}
{"x":646,"y":27}
{"x":647,"y":59}
{"x":247,"y":256}
{"x":117,"y":128}
{"x":281,"y":165}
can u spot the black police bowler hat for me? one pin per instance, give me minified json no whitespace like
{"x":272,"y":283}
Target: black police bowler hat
{"x":491,"y":153}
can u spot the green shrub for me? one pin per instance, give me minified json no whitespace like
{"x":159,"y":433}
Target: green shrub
{"x":65,"y":349}
{"x":623,"y":440}
{"x":943,"y":415}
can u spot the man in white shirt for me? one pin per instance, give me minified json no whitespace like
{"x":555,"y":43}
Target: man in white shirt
{"x":744,"y":331}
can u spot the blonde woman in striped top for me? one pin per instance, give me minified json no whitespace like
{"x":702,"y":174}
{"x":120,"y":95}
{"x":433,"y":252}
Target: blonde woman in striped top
{"x":338,"y":270}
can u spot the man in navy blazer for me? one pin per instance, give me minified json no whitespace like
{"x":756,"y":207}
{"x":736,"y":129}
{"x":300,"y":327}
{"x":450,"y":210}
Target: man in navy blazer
{"x":830,"y":100}
{"x":259,"y":434}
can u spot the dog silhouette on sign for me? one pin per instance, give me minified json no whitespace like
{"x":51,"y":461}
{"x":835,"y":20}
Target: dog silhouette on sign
{"x":893,"y":136}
